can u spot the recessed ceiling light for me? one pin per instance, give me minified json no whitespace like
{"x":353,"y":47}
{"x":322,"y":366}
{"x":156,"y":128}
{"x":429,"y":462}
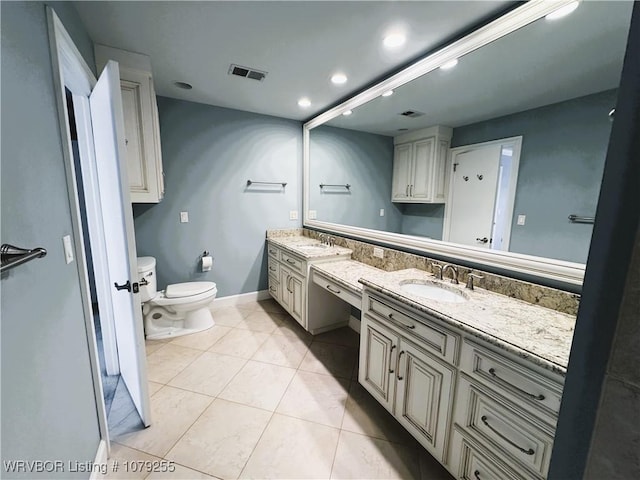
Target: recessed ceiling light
{"x":449,"y":64}
{"x":347,"y":113}
{"x":394,"y":40}
{"x":388,"y":93}
{"x":183,"y":85}
{"x":339,"y":78}
{"x":562,"y":11}
{"x":304,"y":102}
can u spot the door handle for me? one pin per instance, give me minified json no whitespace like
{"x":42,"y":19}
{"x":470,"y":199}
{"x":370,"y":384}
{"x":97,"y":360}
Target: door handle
{"x":126,"y":286}
{"x":390,"y":360}
{"x":398,"y":365}
{"x":482,"y":240}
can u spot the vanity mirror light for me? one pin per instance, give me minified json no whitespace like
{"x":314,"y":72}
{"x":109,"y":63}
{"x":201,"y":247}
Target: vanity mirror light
{"x":484,"y":162}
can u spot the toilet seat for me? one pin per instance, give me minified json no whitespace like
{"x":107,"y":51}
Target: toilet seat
{"x":188,"y":289}
{"x":189,"y":292}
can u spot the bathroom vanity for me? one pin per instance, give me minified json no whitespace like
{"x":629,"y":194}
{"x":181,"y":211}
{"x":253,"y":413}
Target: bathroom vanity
{"x":289,"y":262}
{"x":475,"y":376}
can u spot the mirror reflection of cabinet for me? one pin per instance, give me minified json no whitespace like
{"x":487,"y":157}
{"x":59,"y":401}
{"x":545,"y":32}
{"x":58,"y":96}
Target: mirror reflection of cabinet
{"x":419,"y":165}
{"x":141,"y":124}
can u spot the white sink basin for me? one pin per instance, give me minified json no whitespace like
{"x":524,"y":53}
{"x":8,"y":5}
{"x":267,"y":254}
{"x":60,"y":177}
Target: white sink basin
{"x":433,"y":292}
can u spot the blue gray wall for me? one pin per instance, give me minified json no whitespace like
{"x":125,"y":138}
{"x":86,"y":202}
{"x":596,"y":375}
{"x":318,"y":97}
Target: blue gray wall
{"x":48,"y":405}
{"x":422,"y":219}
{"x":363,"y":160}
{"x":209,"y":153}
{"x":563,"y":151}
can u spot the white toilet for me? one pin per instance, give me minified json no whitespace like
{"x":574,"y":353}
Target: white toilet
{"x":180,"y":309}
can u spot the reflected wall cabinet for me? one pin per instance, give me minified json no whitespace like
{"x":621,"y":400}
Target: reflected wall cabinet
{"x":419,"y":165}
{"x":141,"y":124}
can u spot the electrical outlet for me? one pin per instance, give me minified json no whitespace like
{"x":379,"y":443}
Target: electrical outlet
{"x":293,"y":214}
{"x":521,"y":219}
{"x":184,"y":217}
{"x":378,"y":252}
{"x":68,"y":250}
{"x":313,"y":214}
{"x":382,"y":212}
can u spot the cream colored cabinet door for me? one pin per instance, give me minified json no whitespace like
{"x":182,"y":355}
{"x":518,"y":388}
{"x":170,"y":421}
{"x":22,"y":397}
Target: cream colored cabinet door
{"x":378,"y":355}
{"x":142,"y":138}
{"x":421,"y":185}
{"x":402,"y":172}
{"x":424,"y":397}
{"x":292,"y":292}
{"x":297,"y":299}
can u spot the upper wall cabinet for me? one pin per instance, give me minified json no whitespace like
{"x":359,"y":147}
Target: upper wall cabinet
{"x":419,"y":165}
{"x":142,"y":131}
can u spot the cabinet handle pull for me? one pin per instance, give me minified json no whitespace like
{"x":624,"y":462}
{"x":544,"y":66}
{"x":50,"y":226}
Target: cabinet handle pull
{"x":272,"y":269}
{"x":492,"y":371}
{"x":390,"y":354}
{"x":398,"y":365}
{"x":272,"y":251}
{"x":273,"y":289}
{"x":411,"y":190}
{"x":476,"y":474}
{"x":406,"y":191}
{"x":332,"y":290}
{"x":405,"y":325}
{"x":509,"y":441}
{"x":292,"y":262}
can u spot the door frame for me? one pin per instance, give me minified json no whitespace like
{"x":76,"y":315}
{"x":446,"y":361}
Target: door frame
{"x":516,"y":142}
{"x":72,"y":72}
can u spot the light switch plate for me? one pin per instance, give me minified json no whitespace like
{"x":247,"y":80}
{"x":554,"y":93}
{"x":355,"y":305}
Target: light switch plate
{"x":293,"y":215}
{"x":184,"y":217}
{"x":378,"y":252}
{"x":68,"y":249}
{"x":313,"y":214}
{"x":382,"y":212}
{"x":521,"y":219}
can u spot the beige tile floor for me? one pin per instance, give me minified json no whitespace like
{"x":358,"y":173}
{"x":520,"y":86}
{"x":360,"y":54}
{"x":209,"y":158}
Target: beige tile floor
{"x":256,"y":396}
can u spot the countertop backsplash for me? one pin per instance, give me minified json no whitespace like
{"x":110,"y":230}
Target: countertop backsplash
{"x":547,"y":297}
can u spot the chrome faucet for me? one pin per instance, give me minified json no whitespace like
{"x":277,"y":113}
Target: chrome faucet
{"x":438,"y":270}
{"x":454,"y":272}
{"x":470,"y":277}
{"x":323,"y":238}
{"x":331,"y":241}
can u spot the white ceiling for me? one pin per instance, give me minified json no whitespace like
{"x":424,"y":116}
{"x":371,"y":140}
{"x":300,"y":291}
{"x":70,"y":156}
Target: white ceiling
{"x":299,"y":43}
{"x":543,"y":63}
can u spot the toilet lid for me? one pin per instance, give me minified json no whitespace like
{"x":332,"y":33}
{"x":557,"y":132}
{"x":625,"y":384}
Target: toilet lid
{"x":188,"y":289}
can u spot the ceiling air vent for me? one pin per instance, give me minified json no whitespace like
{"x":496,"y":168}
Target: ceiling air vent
{"x":247,"y":72}
{"x":411,"y":114}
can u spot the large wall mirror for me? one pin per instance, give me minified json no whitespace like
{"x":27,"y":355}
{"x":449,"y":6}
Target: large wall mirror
{"x":483,"y":162}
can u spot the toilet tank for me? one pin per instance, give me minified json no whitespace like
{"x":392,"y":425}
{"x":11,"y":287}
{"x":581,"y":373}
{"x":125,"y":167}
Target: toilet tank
{"x":147,"y":271}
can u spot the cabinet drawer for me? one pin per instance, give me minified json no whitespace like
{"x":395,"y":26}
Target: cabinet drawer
{"x":335,"y":288}
{"x":294,"y":263}
{"x":503,"y":428}
{"x":432,"y":337}
{"x":516,"y":382}
{"x":274,"y":287}
{"x":469,"y":461}
{"x":274,"y":252}
{"x":274,"y":268}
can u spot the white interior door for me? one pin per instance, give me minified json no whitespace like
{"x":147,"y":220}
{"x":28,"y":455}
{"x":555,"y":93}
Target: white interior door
{"x":473,"y":195}
{"x":108,"y":133}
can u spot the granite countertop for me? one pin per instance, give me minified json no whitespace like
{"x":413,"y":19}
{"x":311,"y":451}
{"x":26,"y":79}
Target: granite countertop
{"x":295,"y":244}
{"x":539,"y":334}
{"x":347,"y":272}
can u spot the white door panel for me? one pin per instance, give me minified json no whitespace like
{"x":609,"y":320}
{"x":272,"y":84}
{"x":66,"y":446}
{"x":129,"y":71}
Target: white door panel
{"x":473,"y":195}
{"x":108,"y":132}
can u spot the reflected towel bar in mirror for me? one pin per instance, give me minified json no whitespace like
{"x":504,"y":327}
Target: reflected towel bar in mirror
{"x":251,"y":182}
{"x":337,"y":185}
{"x":14,"y":256}
{"x":580,"y":219}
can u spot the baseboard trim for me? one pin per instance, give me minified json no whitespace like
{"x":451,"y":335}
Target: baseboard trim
{"x":100,"y":461}
{"x":241,"y":298}
{"x":354,"y":323}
